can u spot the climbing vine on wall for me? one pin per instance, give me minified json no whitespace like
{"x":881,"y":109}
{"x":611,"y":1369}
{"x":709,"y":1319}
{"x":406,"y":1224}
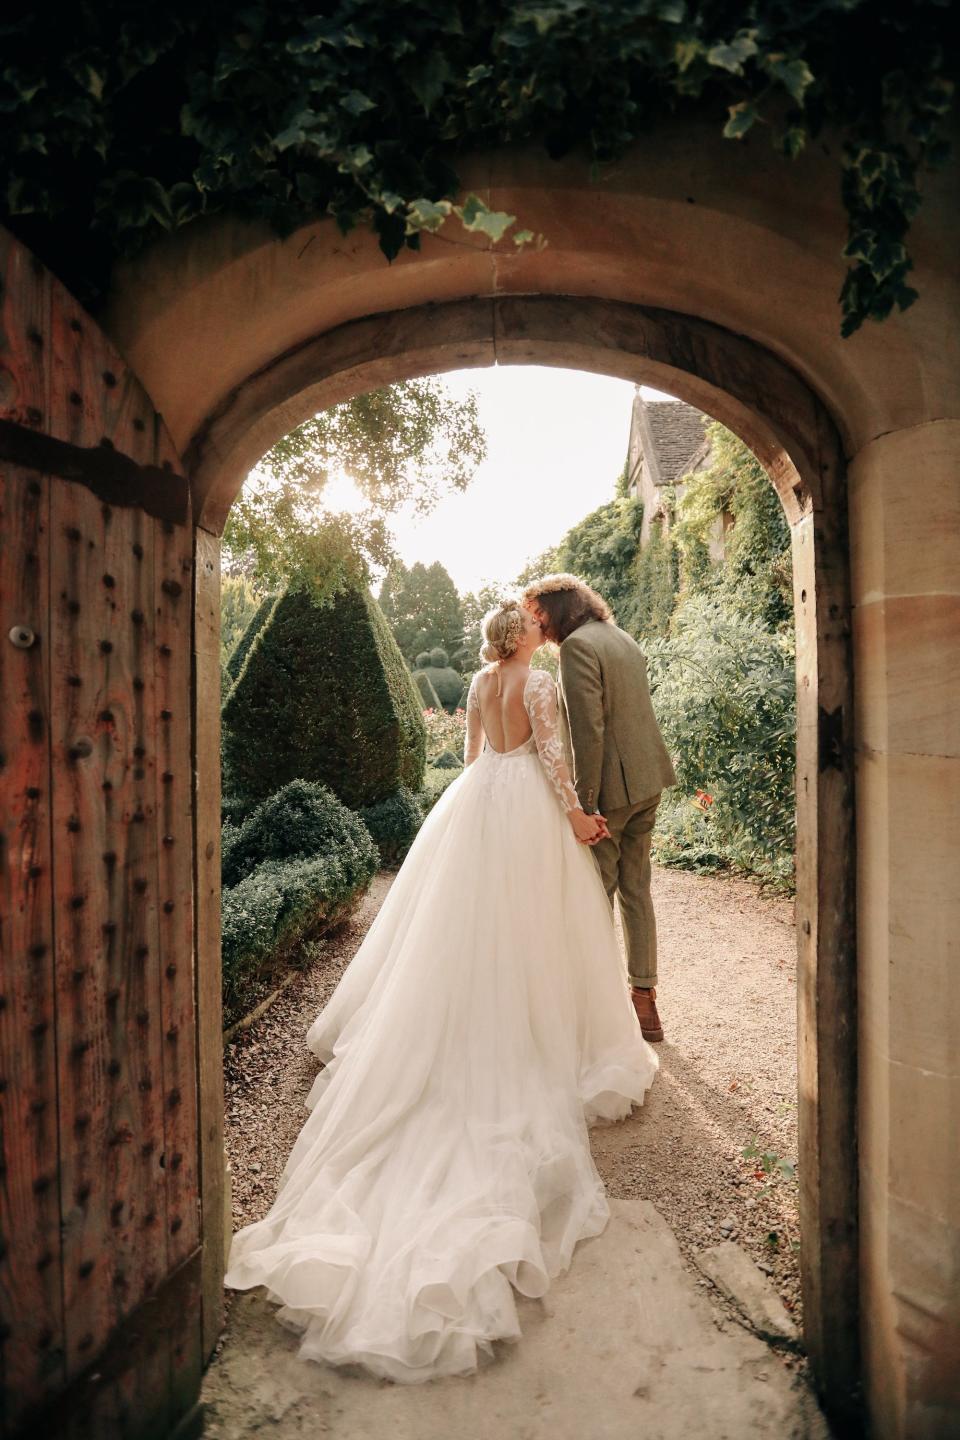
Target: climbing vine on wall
{"x":124,"y":121}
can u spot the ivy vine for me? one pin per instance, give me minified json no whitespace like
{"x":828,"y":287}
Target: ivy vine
{"x":122,"y":121}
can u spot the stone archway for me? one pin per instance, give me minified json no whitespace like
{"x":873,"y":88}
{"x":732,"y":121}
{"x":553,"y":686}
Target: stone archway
{"x":776,"y":414}
{"x":728,"y":239}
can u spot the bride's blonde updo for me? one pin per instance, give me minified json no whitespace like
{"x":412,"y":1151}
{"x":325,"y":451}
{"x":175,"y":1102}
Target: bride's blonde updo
{"x":502,"y":631}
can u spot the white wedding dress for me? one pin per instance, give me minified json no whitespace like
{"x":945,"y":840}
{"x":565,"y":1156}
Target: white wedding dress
{"x":484,"y":1022}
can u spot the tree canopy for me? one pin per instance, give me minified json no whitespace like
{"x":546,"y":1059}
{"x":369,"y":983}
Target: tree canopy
{"x":405,"y":444}
{"x":422,"y":608}
{"x":123,"y":121}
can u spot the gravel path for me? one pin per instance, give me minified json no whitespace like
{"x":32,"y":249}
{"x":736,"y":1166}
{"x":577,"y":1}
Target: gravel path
{"x":727,"y":998}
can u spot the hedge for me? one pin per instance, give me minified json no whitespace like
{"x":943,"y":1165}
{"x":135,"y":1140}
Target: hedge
{"x":393,"y":823}
{"x":296,"y":867}
{"x":435,"y":781}
{"x":324,"y":695}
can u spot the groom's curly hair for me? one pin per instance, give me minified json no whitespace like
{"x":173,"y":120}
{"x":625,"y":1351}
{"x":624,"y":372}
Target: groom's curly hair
{"x":568,"y":602}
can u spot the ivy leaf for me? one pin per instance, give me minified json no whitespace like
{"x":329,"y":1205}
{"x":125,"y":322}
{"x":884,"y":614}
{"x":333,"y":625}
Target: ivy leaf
{"x":685,"y":52}
{"x":523,"y":237}
{"x":32,"y":140}
{"x":356,"y":103}
{"x":134,"y":199}
{"x":742,"y":117}
{"x":426,"y":214}
{"x":94,"y":82}
{"x":731,"y":56}
{"x":293,"y":135}
{"x":476,"y":73}
{"x":354,"y":158}
{"x":794,"y":75}
{"x":545,"y":17}
{"x":186,"y":201}
{"x":428,"y":78}
{"x":476,"y":215}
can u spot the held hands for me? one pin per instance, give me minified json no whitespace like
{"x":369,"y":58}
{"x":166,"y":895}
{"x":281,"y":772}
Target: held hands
{"x":588,"y":828}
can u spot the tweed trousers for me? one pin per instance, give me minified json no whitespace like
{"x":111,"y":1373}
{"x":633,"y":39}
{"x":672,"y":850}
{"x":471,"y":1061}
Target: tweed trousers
{"x":624,"y":864}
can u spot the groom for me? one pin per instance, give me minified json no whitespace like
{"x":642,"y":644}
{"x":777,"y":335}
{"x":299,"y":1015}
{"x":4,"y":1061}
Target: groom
{"x":620,"y":763}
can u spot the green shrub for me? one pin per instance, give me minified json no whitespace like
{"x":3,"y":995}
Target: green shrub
{"x":447,"y":760}
{"x":299,"y":822}
{"x":324,"y":695}
{"x":393,"y":824}
{"x":234,"y":809}
{"x":434,"y":783}
{"x":281,"y":906}
{"x":724,"y":691}
{"x":242,"y":648}
{"x":437,"y":673}
{"x":428,"y":696}
{"x":296,"y":867}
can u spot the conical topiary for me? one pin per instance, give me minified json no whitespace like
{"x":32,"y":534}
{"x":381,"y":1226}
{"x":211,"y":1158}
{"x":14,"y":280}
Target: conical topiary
{"x":241,"y":650}
{"x":429,"y":696}
{"x":324,"y":695}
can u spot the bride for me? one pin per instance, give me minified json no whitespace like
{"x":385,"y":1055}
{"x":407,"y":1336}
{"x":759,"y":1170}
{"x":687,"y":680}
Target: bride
{"x":483,"y":1024}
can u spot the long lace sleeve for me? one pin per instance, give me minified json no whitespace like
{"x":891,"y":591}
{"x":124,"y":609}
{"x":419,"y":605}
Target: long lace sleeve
{"x":474,"y":738}
{"x":540,"y":701}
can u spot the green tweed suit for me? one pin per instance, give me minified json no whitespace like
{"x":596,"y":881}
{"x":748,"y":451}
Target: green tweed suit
{"x":620,"y":765}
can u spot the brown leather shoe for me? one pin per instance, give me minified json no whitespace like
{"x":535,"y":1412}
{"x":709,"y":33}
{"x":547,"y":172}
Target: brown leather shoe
{"x":644,"y":1002}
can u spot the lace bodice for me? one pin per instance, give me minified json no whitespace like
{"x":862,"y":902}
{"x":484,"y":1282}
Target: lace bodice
{"x":540,"y":703}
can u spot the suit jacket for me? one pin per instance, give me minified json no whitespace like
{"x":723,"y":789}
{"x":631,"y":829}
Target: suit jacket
{"x":616,"y":749}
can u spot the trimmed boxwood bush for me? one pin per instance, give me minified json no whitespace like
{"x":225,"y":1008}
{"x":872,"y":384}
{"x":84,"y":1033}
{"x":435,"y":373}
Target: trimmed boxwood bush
{"x":299,"y":822}
{"x":434,"y":668}
{"x":296,"y":867}
{"x":393,"y":823}
{"x":324,"y":695}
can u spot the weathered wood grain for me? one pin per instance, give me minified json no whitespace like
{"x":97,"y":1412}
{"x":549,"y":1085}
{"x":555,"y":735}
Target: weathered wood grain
{"x":173,"y":604}
{"x":98,"y":1007}
{"x":105,"y":882}
{"x":206,"y":640}
{"x":32,"y":1347}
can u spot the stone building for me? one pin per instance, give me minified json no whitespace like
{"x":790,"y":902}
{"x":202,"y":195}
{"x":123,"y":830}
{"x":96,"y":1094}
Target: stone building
{"x":668,"y":442}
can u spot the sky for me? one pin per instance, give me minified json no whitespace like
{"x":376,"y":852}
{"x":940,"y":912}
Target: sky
{"x":556,"y":443}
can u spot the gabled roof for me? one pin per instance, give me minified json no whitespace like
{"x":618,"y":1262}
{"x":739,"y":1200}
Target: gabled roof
{"x":674,"y":432}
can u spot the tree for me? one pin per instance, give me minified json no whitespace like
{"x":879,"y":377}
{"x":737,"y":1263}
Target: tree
{"x":475,"y":604}
{"x":238,"y":604}
{"x":404,"y":444}
{"x":422,"y":607}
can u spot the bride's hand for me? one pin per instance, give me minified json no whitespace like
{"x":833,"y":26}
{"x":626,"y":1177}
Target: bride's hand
{"x":587,"y":828}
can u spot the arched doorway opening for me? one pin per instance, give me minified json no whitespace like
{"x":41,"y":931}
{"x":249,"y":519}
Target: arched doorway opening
{"x":766,"y":404}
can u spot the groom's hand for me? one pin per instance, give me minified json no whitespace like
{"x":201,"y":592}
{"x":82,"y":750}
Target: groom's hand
{"x":588,"y":828}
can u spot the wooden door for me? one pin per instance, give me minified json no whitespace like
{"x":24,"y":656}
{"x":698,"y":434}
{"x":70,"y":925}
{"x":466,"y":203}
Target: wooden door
{"x":99,"y":1214}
